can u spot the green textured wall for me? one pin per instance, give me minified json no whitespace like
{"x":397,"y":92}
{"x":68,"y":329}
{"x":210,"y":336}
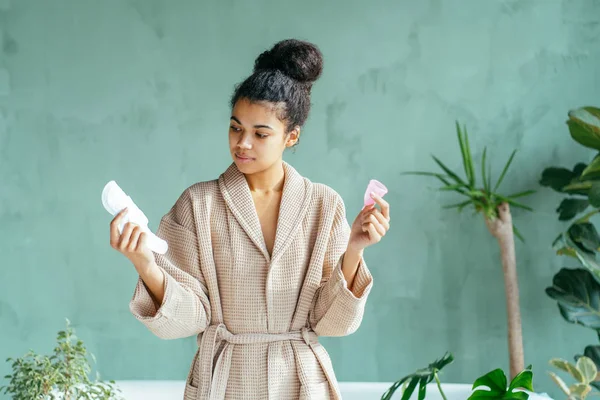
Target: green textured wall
{"x":137,"y":91}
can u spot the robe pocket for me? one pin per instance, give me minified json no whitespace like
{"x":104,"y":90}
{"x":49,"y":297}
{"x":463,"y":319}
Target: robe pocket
{"x":190,"y":392}
{"x":320,"y":390}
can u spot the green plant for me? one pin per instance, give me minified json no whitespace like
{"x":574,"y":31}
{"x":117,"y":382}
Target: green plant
{"x":582,"y":183}
{"x":421,"y":377}
{"x":496,"y":212}
{"x":63,"y":375}
{"x":576,"y":290}
{"x":495,"y":381}
{"x":584,"y":372}
{"x":484,"y":198}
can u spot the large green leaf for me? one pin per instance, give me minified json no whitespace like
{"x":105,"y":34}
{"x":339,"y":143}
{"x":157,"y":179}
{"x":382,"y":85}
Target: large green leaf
{"x":423,"y":388}
{"x":495,"y":380}
{"x":496,"y":383}
{"x":588,"y":369}
{"x":593,"y":353}
{"x":556,"y":178}
{"x":523,"y":380}
{"x":585,"y":236}
{"x":421,"y":376}
{"x":570,"y":207}
{"x":578,"y":296}
{"x":410,"y":388}
{"x":589,"y":262}
{"x":584,"y":126}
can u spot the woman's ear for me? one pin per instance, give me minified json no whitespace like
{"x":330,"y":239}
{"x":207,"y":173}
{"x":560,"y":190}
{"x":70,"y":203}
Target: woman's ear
{"x":293,"y":137}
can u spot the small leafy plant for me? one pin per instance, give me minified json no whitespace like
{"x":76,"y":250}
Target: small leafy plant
{"x":421,"y":377}
{"x":496,"y":383}
{"x":484,"y":198}
{"x":63,"y":375}
{"x":584,"y":373}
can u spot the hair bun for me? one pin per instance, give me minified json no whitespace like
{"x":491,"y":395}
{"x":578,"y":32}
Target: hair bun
{"x":297,"y":59}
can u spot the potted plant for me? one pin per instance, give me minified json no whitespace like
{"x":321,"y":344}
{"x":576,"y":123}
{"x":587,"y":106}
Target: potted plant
{"x":63,"y":375}
{"x":491,"y":385}
{"x":577,"y":290}
{"x":484,"y":198}
{"x":584,"y":373}
{"x":421,"y":377}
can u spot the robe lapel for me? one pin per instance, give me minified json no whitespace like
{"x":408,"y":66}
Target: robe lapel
{"x":295,"y":201}
{"x":237,"y":196}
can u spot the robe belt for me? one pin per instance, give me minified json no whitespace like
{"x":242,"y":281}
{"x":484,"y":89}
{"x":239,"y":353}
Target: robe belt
{"x":213,"y":381}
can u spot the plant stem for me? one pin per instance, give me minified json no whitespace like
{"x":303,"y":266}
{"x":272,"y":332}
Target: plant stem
{"x":587,"y":216}
{"x":439,"y":385}
{"x":511,"y":287}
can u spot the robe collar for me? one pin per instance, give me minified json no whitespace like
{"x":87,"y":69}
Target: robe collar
{"x":295,"y":201}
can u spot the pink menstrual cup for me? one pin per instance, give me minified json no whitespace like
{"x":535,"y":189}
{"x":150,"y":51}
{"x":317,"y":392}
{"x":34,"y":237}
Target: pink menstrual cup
{"x":377,"y":187}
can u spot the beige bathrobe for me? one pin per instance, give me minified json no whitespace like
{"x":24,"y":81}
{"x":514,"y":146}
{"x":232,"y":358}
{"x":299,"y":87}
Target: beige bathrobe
{"x":256,"y":317}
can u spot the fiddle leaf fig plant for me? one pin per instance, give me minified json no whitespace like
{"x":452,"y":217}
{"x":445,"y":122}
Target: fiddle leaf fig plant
{"x":63,"y":375}
{"x":577,"y":290}
{"x":582,"y":183}
{"x":421,"y":377}
{"x":495,"y":383}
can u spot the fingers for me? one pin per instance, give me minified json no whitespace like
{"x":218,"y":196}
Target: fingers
{"x":114,"y":228}
{"x":142,"y":242}
{"x":366,"y":210}
{"x":374,"y":235}
{"x":135,"y":236}
{"x":126,"y":236}
{"x":381,"y":219}
{"x":385,"y":207}
{"x":379,"y":227}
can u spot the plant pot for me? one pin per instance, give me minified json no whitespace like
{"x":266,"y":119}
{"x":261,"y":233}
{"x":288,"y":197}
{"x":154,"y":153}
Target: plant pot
{"x":453,"y":391}
{"x":159,"y":390}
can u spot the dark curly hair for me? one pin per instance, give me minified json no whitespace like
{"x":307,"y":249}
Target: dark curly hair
{"x":284,"y":76}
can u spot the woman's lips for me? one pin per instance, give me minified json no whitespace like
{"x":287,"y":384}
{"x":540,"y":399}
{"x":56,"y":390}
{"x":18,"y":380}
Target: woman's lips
{"x":243,"y":158}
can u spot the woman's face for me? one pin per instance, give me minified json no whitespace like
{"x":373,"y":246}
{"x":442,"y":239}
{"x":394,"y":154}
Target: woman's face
{"x":257,"y":138}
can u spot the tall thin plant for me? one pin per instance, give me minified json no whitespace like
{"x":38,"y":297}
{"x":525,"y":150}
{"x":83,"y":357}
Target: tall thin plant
{"x":495,"y":207}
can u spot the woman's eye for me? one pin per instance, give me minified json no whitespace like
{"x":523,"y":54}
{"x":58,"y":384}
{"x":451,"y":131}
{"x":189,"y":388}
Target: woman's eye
{"x":234,"y":128}
{"x":261,"y":135}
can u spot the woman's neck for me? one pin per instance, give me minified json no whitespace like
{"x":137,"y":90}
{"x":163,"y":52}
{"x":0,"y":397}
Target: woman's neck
{"x":267,"y":181}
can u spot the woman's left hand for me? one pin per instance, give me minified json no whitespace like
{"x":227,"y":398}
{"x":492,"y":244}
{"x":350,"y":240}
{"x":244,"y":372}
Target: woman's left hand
{"x":370,"y":225}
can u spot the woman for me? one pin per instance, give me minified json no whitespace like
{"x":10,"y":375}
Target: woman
{"x":261,"y":261}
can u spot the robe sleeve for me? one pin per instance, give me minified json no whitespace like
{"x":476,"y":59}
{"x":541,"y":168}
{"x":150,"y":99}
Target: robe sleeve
{"x":336,"y":310}
{"x":185,"y":310}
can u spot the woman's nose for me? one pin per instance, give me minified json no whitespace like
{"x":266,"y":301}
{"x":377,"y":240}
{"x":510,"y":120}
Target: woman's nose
{"x":244,"y":143}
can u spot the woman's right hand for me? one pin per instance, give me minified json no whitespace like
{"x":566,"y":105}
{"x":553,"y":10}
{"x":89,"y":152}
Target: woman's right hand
{"x":132,"y":243}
